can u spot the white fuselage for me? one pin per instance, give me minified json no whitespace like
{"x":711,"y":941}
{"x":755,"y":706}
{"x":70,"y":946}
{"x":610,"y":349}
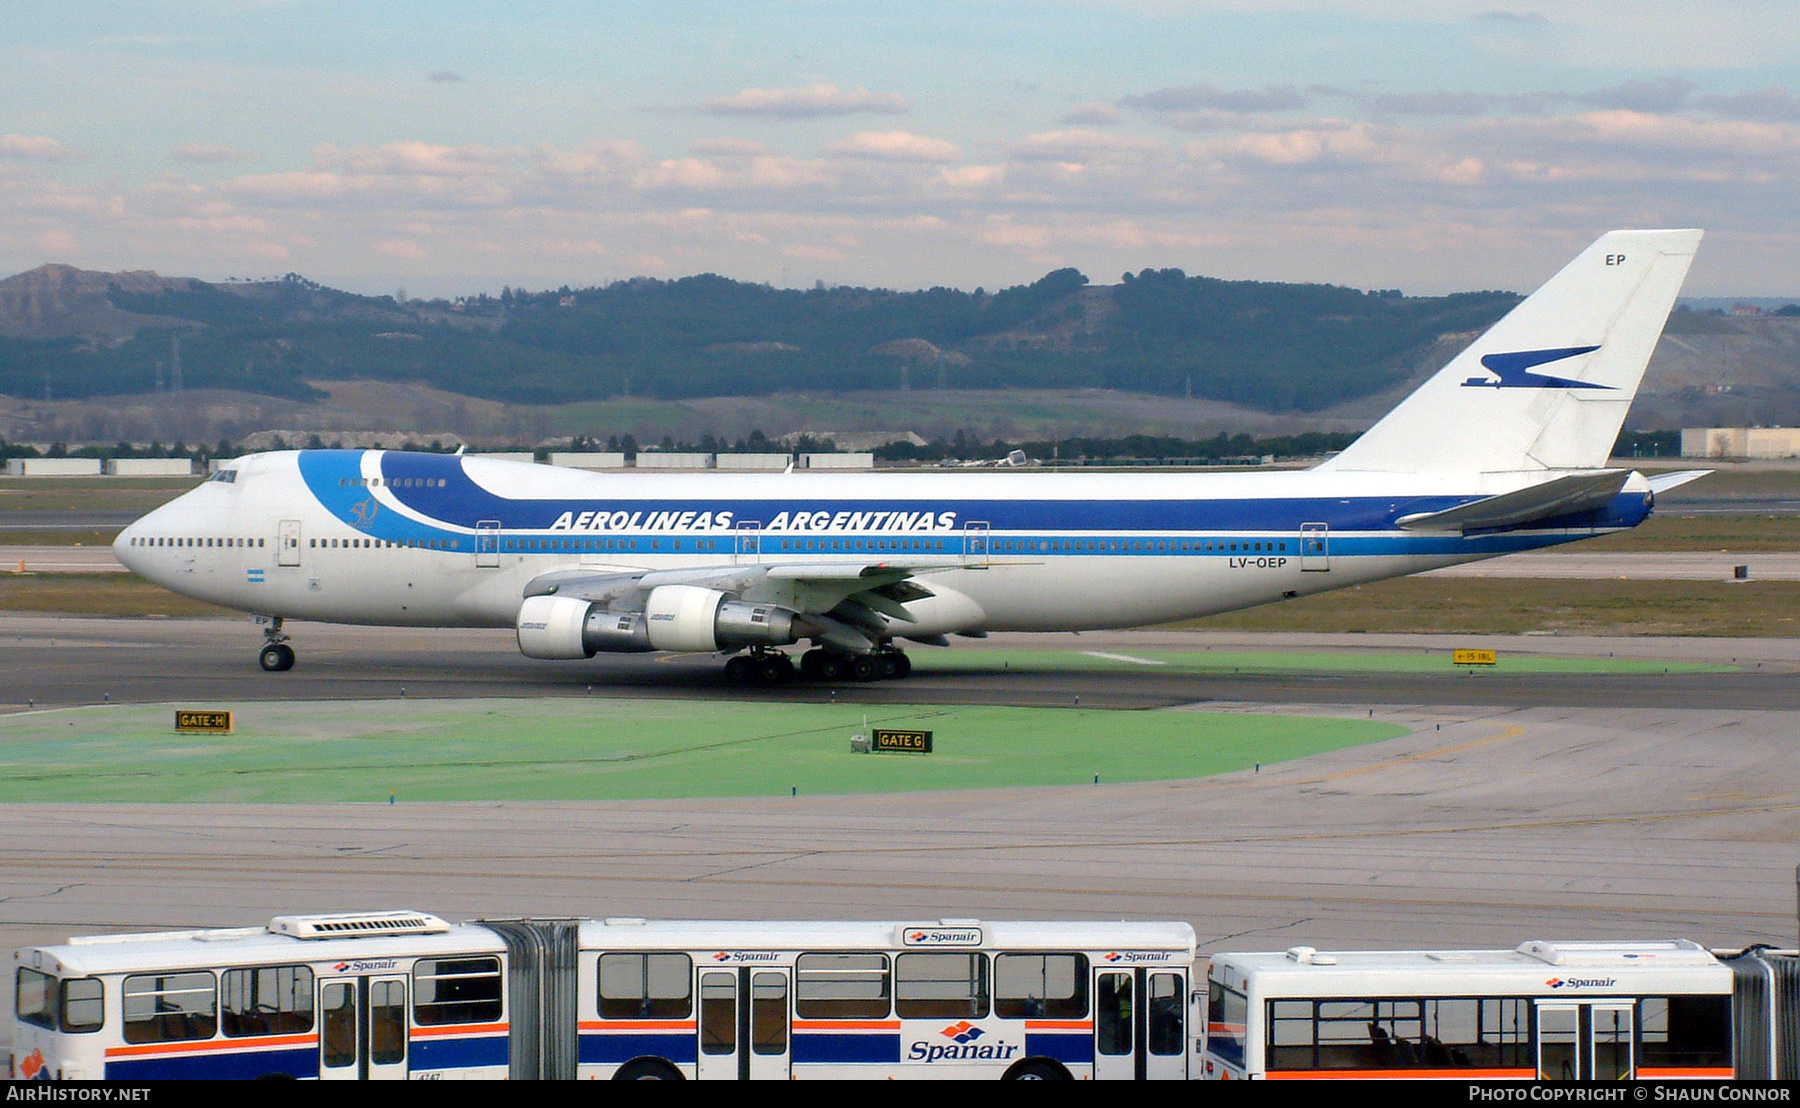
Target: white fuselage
{"x":388,"y":538}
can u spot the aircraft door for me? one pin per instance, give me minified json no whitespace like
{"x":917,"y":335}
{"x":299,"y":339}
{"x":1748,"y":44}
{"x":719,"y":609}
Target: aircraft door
{"x":487,"y":544}
{"x":287,"y":543}
{"x":363,"y":1028}
{"x":1315,"y":547}
{"x":748,"y":548}
{"x":977,"y":548}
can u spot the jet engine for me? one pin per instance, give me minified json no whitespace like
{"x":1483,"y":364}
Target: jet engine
{"x":675,"y":617}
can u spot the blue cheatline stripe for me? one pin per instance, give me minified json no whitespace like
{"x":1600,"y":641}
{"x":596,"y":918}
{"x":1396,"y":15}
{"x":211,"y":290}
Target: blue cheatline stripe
{"x":459,"y":1053}
{"x":237,"y":1066}
{"x":1068,"y":1049}
{"x":680,"y":1048}
{"x":453,"y":510}
{"x":810,"y":1047}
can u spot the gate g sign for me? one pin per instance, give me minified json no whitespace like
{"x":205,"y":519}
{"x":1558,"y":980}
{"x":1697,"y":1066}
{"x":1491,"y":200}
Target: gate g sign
{"x":902,"y":742}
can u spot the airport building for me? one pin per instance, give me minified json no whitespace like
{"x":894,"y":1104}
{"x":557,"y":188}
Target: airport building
{"x":1740,"y":442}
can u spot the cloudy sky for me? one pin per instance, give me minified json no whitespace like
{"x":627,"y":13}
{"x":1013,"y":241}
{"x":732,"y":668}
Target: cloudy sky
{"x":447,"y":148}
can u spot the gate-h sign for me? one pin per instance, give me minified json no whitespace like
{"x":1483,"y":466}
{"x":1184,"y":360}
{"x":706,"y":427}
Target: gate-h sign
{"x":188,"y":721}
{"x":902,"y":742}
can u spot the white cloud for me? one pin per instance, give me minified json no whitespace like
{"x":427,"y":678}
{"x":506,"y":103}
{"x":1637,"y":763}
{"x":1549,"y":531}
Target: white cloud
{"x":809,"y":102}
{"x":35,"y":148}
{"x":895,"y":146}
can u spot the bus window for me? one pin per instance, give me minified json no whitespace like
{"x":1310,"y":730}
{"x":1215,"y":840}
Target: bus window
{"x":646,"y":986}
{"x":268,"y":1000}
{"x":1419,"y":1033}
{"x":1167,"y":1028}
{"x":34,"y":998}
{"x":1686,"y":1032}
{"x":1227,"y":1013}
{"x":387,"y":1021}
{"x":1041,"y":986}
{"x":718,"y":1013}
{"x":170,"y":1007}
{"x":1113,"y":1014}
{"x":940,"y":986}
{"x":769,"y":1013}
{"x":83,"y":1009}
{"x":337,"y":1038}
{"x":841,"y":986}
{"x":456,"y":990}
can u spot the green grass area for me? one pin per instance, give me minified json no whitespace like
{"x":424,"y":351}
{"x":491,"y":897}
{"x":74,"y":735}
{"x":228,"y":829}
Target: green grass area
{"x":594,"y":749}
{"x":73,"y":494}
{"x":1124,"y":659}
{"x":98,"y":594}
{"x":1668,"y":530}
{"x":1502,"y":606}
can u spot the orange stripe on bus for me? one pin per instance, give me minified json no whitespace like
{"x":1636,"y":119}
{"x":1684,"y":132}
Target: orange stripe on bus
{"x":261,"y":1042}
{"x":461,"y":1029}
{"x":846,"y":1025}
{"x":637,"y":1025}
{"x":1059,"y":1025}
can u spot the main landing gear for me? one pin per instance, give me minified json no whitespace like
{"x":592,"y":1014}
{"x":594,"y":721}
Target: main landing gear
{"x":772,"y":667}
{"x":277,"y":656}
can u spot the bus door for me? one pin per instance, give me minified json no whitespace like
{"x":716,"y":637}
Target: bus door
{"x":1140,"y":1024}
{"x":744,"y":1023}
{"x":362,"y":1028}
{"x":487,"y":544}
{"x":1579,"y":1041}
{"x":287,"y":543}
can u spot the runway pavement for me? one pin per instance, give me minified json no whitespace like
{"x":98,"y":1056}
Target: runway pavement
{"x":1572,"y":807}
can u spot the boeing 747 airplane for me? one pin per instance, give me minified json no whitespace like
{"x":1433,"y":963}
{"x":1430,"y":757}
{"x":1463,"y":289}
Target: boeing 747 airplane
{"x":1502,"y":450}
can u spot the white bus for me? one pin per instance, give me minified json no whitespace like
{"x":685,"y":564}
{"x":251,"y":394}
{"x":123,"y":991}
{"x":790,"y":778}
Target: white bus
{"x":951,"y":998}
{"x":1551,"y":1011}
{"x":371,"y":995}
{"x":404,"y":994}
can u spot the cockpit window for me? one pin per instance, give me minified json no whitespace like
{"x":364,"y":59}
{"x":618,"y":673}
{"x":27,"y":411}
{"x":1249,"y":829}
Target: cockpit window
{"x":225,"y":476}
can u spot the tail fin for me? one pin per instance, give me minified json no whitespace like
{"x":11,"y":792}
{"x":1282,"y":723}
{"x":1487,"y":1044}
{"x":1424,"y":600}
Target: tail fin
{"x":1548,"y":386}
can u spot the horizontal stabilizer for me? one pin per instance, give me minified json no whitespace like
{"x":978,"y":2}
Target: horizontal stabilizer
{"x":1578,"y":492}
{"x":1663,"y":482}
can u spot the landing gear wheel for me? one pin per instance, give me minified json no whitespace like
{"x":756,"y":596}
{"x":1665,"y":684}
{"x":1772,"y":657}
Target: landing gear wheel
{"x":886,"y":669}
{"x":902,"y":666}
{"x":863,"y":668}
{"x":833,"y":666}
{"x":741,"y":670}
{"x":276,"y":657}
{"x":775,"y":668}
{"x":810,"y":663}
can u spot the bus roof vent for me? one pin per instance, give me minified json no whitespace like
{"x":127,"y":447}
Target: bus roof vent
{"x":1302,"y":954}
{"x":354,"y":925}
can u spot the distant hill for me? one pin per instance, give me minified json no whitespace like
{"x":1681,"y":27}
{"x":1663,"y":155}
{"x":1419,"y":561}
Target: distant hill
{"x":70,"y":333}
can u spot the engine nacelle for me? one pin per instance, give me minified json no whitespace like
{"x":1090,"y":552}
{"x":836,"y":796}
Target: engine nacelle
{"x":561,"y":627}
{"x":675,"y":617}
{"x":689,"y":617}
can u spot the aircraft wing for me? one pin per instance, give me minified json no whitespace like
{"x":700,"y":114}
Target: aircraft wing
{"x":1577,"y":492}
{"x":846,"y":601}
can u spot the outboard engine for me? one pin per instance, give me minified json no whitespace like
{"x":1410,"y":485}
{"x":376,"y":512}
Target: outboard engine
{"x":675,"y":617}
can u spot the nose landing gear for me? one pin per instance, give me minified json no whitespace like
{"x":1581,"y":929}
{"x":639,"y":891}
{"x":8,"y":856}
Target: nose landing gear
{"x":277,"y":656}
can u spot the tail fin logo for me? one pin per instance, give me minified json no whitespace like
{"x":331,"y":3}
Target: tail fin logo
{"x":1514,"y":370}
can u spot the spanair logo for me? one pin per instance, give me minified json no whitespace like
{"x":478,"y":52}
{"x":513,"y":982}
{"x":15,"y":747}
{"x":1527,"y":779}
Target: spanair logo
{"x":32,"y":1065}
{"x":1135,"y":957}
{"x":364,"y":965}
{"x":1513,"y":371}
{"x":1582,"y":982}
{"x":941,"y":936}
{"x":740,"y":957}
{"x":964,"y":1046}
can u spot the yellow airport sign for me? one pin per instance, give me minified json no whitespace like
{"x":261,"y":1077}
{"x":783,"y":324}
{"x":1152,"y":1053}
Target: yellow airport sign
{"x":191,"y":721}
{"x":1474,"y":658}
